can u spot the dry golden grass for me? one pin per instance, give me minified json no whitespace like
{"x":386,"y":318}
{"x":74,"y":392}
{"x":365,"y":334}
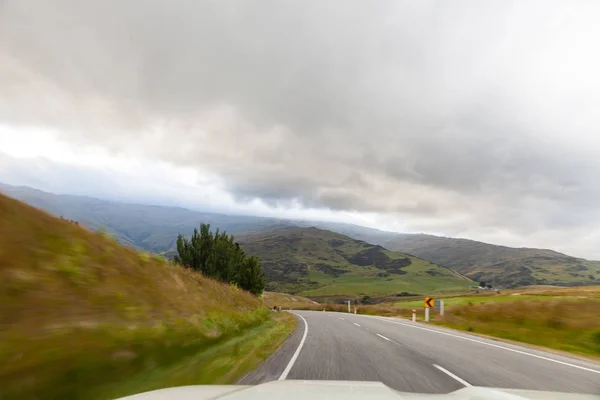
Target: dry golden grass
{"x":578,"y":292}
{"x":284,"y":300}
{"x":569,"y":325}
{"x":79,"y":312}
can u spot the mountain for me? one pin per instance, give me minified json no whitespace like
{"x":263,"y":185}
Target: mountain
{"x":155,"y":228}
{"x":152,"y":228}
{"x":506,"y":266}
{"x":316,"y":263}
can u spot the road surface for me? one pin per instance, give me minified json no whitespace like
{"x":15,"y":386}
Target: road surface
{"x":416,"y":357}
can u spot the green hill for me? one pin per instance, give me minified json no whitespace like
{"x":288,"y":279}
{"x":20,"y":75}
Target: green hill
{"x":315,"y":262}
{"x":82,"y":317}
{"x":506,"y":266}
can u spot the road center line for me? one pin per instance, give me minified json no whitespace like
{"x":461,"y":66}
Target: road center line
{"x":341,"y":318}
{"x":287,"y":369}
{"x":451,"y":375}
{"x":383,"y":337}
{"x":492,"y":345}
{"x":356,"y":324}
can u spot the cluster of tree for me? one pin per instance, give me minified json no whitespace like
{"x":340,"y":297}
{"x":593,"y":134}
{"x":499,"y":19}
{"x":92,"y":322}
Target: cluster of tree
{"x":483,"y":285}
{"x":218,"y":256}
{"x":69,"y":220}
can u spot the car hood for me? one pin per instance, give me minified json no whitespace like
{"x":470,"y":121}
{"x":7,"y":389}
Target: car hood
{"x":346,"y":390}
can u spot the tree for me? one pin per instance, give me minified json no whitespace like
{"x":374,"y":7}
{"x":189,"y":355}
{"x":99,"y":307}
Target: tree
{"x":219,"y":257}
{"x":482,"y":284}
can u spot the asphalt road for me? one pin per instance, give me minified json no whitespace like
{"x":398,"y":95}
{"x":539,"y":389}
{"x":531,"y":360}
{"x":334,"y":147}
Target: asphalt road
{"x":417,"y":357}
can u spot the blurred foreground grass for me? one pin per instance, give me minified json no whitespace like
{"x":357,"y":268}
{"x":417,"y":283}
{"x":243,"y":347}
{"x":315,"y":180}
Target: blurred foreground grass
{"x":83,"y":317}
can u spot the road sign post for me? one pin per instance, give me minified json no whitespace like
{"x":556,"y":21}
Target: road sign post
{"x":414,"y":316}
{"x":429,"y":302}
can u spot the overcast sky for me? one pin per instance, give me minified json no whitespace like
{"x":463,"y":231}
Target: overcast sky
{"x":464,"y":118}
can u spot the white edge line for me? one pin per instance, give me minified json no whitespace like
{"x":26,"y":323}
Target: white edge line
{"x":383,"y":337}
{"x":451,"y":375}
{"x":356,"y":324}
{"x":287,"y":369}
{"x":493,"y":345}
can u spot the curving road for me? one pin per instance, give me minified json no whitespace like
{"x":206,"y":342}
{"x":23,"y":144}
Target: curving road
{"x":416,"y":357}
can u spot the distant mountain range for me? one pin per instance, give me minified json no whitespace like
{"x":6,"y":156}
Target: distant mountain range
{"x":155,"y":228}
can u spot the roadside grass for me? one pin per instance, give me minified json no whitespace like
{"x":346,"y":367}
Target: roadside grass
{"x":472,"y":300}
{"x":572,"y":326}
{"x":83,"y":317}
{"x":284,"y":300}
{"x":222,"y":363}
{"x":533,"y":293}
{"x":576,"y":292}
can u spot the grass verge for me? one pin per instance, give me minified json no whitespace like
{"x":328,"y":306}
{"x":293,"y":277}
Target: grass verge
{"x":572,"y":326}
{"x":81,"y":317}
{"x":223,"y":363}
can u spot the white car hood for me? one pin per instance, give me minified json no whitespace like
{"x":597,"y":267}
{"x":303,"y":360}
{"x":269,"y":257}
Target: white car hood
{"x":343,"y":390}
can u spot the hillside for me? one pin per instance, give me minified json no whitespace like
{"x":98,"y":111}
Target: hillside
{"x":83,"y":317}
{"x":154,"y":228}
{"x":506,"y":266}
{"x":315,"y":262}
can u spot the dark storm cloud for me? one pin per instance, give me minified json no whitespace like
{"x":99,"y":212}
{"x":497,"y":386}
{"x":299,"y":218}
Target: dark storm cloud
{"x":474,"y":114}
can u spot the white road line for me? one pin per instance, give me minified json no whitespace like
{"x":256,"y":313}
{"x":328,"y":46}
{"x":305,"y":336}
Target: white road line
{"x":451,"y":375}
{"x":492,"y":345}
{"x":356,"y":324}
{"x":383,"y":337}
{"x":287,"y":369}
{"x":341,"y":318}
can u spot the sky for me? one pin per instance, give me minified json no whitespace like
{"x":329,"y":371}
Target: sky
{"x":466,"y":118}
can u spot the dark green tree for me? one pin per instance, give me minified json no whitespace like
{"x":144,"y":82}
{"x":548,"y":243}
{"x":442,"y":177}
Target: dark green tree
{"x":218,"y":256}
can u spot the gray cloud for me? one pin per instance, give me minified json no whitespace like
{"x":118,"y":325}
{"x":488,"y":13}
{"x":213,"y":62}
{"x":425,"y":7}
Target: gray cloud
{"x":459,"y":117}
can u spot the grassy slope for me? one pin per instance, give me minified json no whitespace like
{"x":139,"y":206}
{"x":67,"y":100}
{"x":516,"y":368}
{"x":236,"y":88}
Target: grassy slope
{"x":83,"y":317}
{"x":315,"y":262}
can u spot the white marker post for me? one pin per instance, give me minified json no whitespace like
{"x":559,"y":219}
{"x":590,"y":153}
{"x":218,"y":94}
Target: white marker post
{"x":354,"y":310}
{"x":442,"y":308}
{"x":414,"y":317}
{"x":426,"y":314}
{"x":349,"y":306}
